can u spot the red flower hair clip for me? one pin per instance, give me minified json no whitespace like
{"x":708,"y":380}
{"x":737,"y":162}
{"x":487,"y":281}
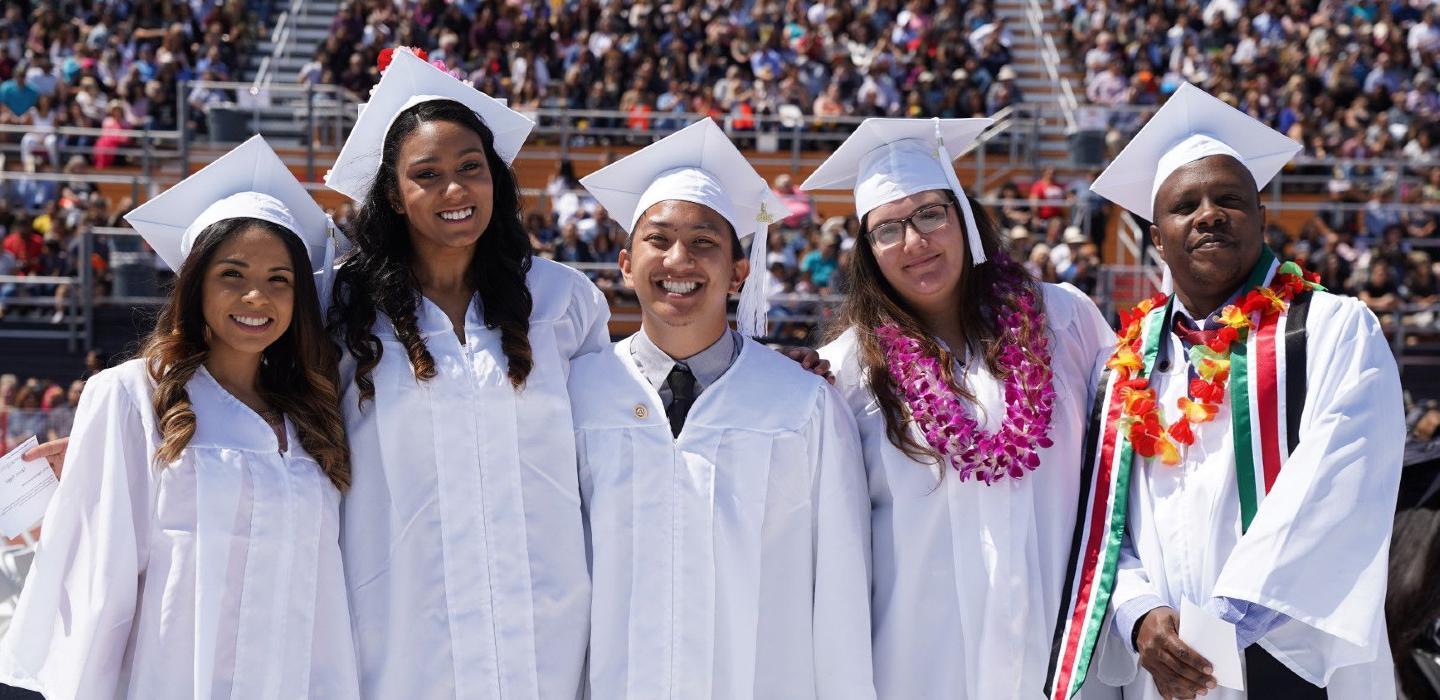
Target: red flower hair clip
{"x":387,"y":54}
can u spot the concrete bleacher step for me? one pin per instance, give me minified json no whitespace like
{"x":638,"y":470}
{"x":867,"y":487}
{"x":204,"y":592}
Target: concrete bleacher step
{"x":311,"y":35}
{"x":290,"y":65}
{"x":1035,"y":84}
{"x":1051,"y":27}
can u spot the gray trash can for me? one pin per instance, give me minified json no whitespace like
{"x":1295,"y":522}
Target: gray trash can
{"x":227,"y":123}
{"x":1087,"y":147}
{"x":134,"y":274}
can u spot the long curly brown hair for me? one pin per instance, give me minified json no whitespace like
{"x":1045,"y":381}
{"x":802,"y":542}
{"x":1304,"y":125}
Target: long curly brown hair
{"x":298,"y":372}
{"x":379,"y":275}
{"x":872,"y":302}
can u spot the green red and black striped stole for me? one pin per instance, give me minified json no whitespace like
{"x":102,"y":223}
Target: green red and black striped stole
{"x":1267,"y":377}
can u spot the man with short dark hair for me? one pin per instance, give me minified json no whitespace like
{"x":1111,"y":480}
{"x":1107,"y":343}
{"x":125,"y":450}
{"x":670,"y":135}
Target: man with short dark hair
{"x":726,"y":502}
{"x":1246,"y":449}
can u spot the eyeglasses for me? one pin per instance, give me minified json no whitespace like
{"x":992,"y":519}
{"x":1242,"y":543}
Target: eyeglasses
{"x":926,"y":220}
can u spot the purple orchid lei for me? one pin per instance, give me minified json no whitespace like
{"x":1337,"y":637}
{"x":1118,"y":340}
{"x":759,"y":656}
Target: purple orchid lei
{"x":1029,"y":396}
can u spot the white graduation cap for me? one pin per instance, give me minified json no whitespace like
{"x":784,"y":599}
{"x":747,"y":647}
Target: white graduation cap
{"x":890,"y":159}
{"x":698,"y":164}
{"x":407,"y":82}
{"x":1192,"y":125}
{"x":250,"y":181}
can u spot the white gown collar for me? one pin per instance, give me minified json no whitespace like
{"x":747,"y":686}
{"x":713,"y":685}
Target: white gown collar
{"x":432,"y":321}
{"x":221,"y":420}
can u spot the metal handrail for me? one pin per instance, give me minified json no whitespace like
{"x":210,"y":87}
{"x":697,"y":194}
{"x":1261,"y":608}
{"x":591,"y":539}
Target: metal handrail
{"x":1050,"y":58}
{"x":88,"y":131}
{"x":341,"y":93}
{"x":38,"y":279}
{"x":92,"y":178}
{"x":281,"y":38}
{"x":1132,"y":240}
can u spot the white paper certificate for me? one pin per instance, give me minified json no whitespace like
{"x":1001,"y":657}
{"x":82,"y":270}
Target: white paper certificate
{"x":1214,"y":638}
{"x":25,"y":490}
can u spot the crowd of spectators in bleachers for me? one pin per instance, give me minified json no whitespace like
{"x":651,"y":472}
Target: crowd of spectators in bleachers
{"x":1345,"y":78}
{"x":114,"y":66}
{"x":734,"y":61}
{"x":40,"y":226}
{"x":42,"y":408}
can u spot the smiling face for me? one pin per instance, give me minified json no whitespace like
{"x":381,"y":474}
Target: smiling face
{"x":444,"y":185}
{"x":1208,"y":228}
{"x":248,"y":292}
{"x":682,"y":263}
{"x":925,"y":269}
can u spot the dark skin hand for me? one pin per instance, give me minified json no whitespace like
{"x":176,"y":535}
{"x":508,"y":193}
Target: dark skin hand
{"x":1177,"y":669}
{"x":810,"y":360}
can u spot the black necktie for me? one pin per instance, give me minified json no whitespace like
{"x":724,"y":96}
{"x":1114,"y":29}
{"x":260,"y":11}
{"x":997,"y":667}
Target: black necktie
{"x":682,"y":396}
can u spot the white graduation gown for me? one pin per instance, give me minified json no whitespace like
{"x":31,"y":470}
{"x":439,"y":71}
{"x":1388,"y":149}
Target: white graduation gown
{"x":1317,"y":548}
{"x":968,"y":577}
{"x":215,"y":576}
{"x":730,"y":563}
{"x":464,"y":550}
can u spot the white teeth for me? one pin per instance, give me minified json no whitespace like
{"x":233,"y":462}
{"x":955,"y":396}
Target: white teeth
{"x":251,"y":320}
{"x":679,"y":287}
{"x":457,"y":215}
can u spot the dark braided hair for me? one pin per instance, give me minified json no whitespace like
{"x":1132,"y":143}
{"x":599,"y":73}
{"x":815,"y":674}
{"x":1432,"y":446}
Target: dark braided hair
{"x":379,"y":275}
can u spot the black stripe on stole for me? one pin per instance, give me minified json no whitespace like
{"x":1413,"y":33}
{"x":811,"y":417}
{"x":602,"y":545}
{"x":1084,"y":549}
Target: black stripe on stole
{"x":1265,"y":677}
{"x":1295,"y":362}
{"x":1091,"y":452}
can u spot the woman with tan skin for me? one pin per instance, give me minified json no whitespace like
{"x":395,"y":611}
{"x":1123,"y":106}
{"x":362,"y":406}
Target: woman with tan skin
{"x":192,"y":548}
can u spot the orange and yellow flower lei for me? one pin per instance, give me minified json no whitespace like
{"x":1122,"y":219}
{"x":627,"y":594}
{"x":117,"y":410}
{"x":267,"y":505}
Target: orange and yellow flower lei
{"x":1141,"y":419}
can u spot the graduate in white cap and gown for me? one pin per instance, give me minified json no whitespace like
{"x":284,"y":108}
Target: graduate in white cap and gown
{"x":192,"y":547}
{"x":725,"y":496}
{"x":970,"y":382}
{"x":464,"y":548}
{"x":1250,"y":432}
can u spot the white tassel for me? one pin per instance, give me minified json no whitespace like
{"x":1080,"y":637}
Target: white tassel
{"x":325,"y":278}
{"x":752,"y":312}
{"x":972,"y":232}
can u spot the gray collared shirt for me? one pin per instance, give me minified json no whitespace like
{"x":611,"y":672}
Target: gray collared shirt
{"x":707,"y":365}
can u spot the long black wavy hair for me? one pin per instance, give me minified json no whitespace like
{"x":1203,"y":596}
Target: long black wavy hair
{"x":379,"y":274}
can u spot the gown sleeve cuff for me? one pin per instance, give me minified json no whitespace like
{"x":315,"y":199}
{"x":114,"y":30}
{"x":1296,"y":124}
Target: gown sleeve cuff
{"x":1128,"y":614}
{"x":1252,"y":621}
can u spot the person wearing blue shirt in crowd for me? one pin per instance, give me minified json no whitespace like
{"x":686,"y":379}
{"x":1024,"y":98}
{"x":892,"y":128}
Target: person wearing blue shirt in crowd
{"x":821,"y":264}
{"x":17,"y":95}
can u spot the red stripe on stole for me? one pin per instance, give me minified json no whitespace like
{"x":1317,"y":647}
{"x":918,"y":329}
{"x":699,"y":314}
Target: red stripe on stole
{"x":1267,"y":400}
{"x":1098,"y":533}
